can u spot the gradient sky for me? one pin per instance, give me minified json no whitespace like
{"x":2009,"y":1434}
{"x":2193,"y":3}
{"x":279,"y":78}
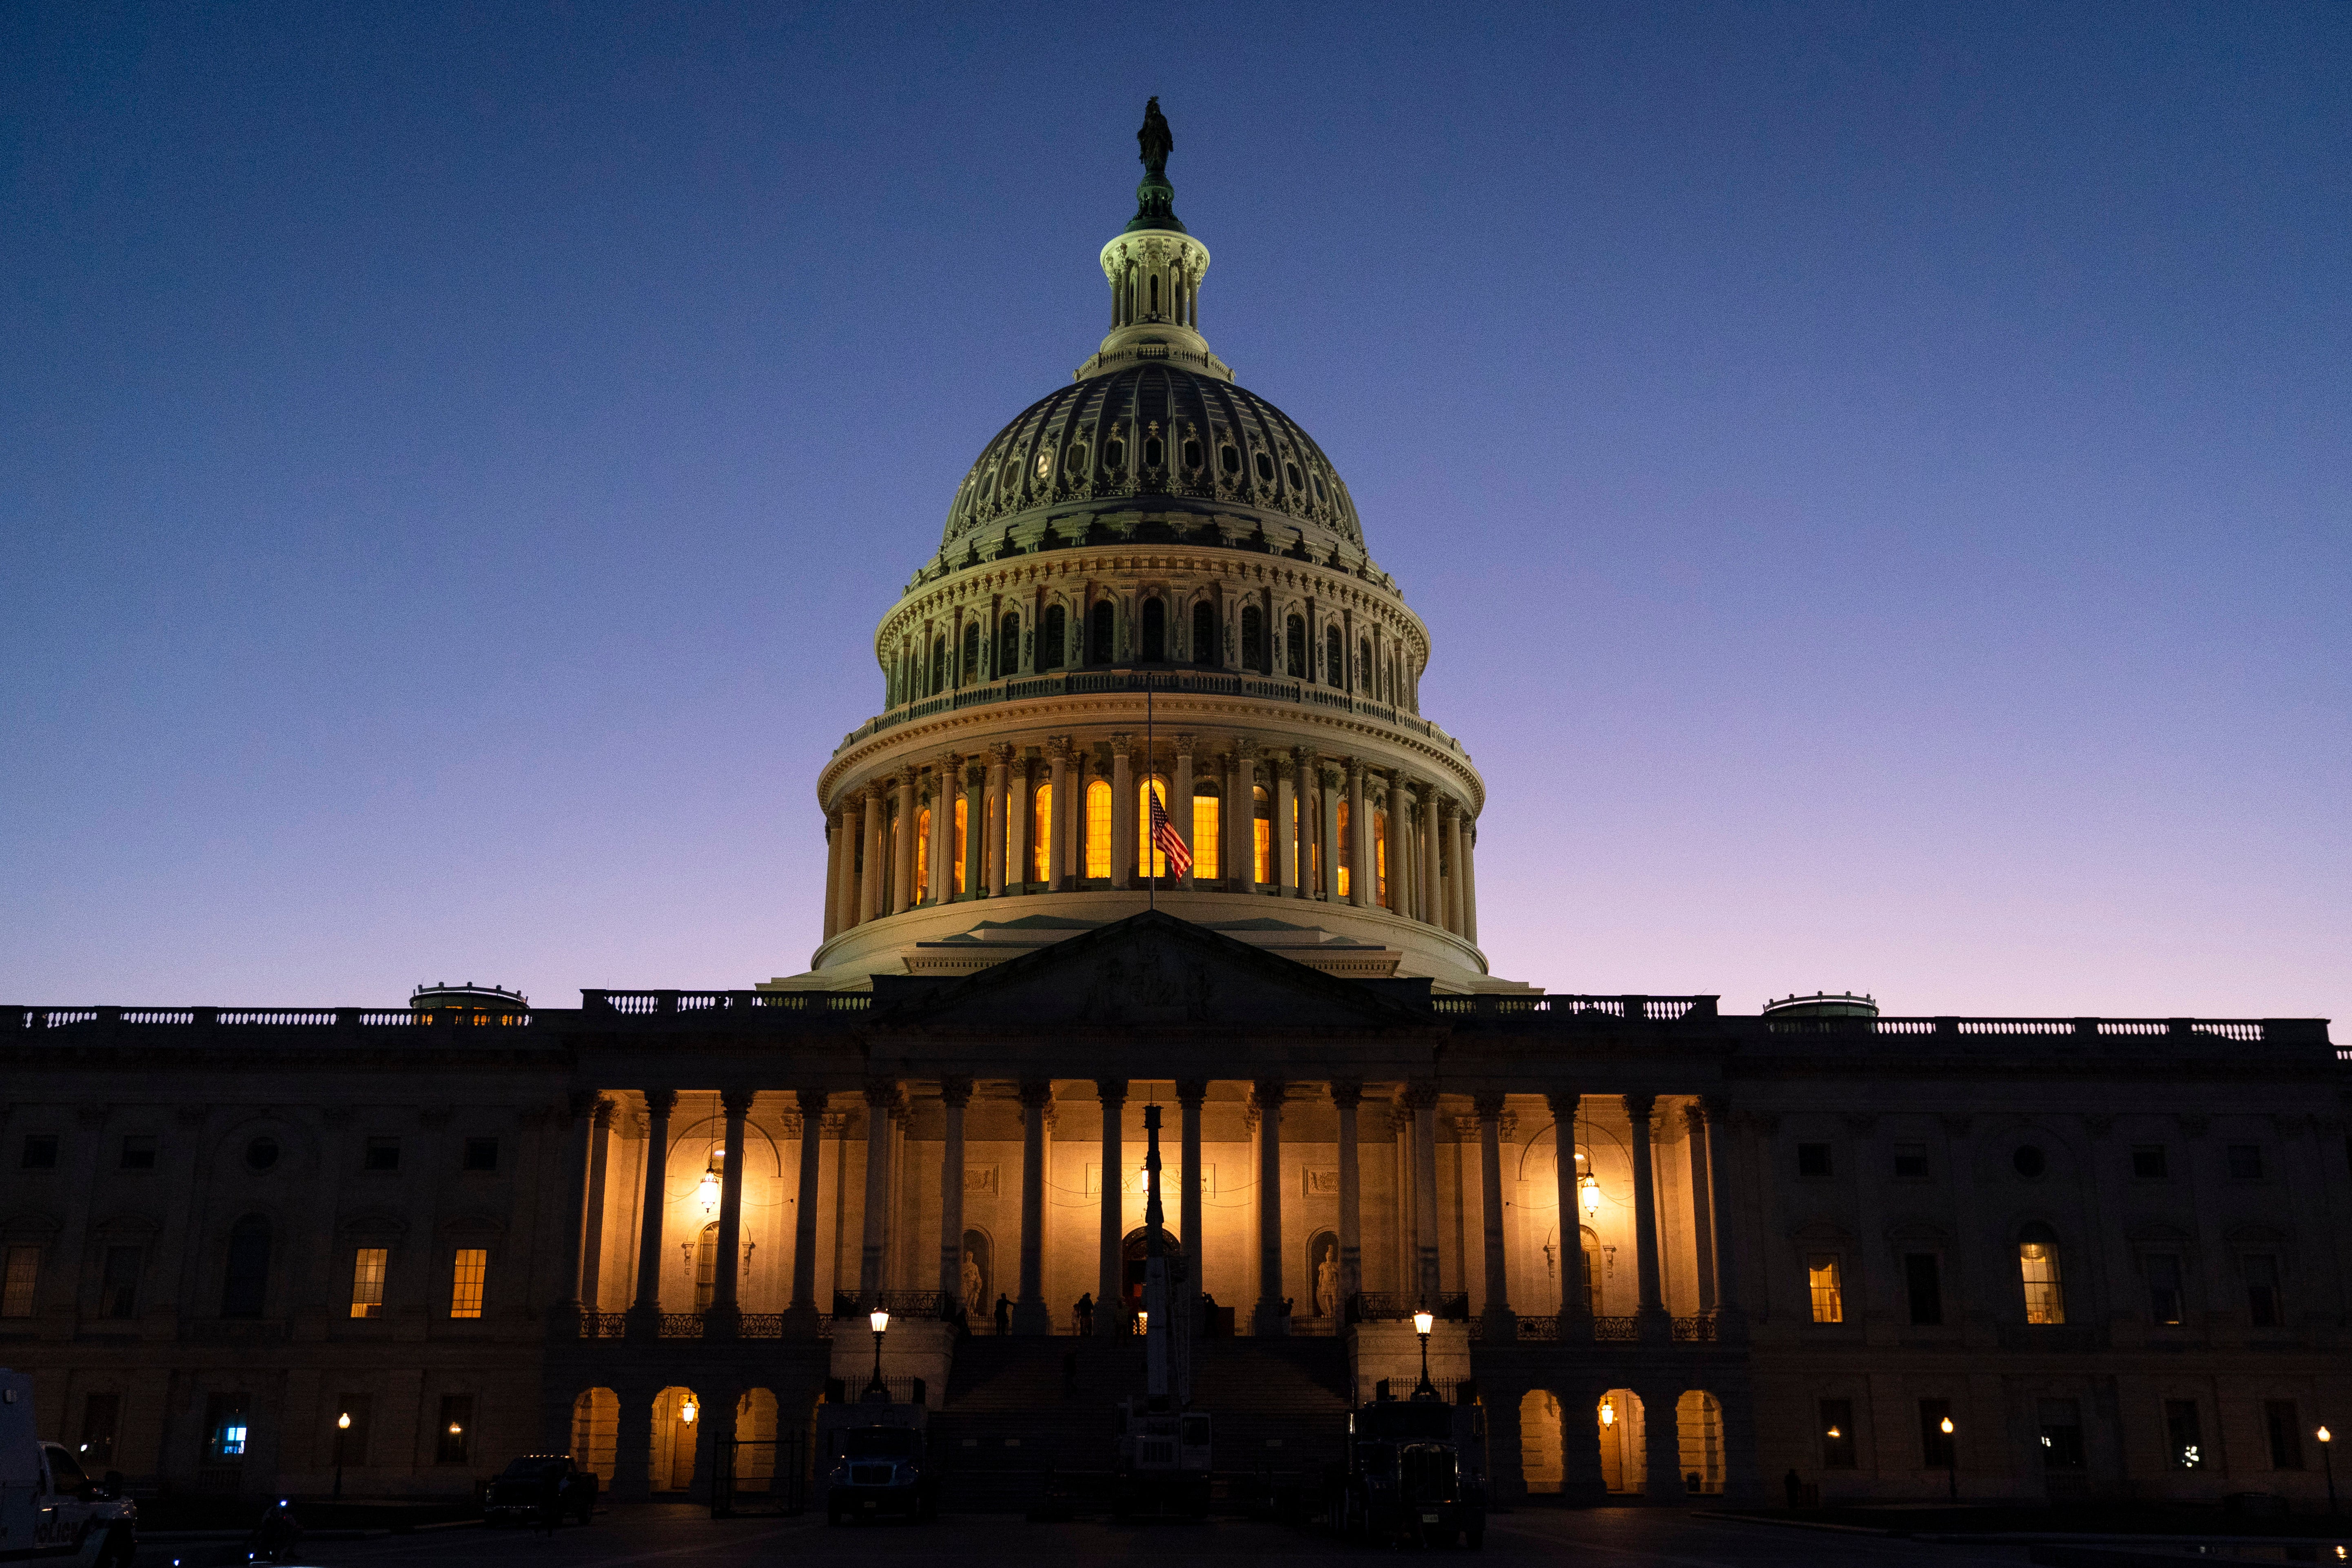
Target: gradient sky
{"x":1878,"y":478}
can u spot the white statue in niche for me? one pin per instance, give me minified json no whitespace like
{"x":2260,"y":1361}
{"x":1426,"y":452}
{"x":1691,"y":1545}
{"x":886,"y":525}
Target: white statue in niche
{"x":1326,"y":1252}
{"x":975,"y":1287}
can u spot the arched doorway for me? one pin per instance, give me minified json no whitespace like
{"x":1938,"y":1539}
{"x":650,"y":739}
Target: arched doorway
{"x":1698,"y":1435}
{"x":705,"y":1267}
{"x":595,"y":1432}
{"x":678,"y":1423}
{"x":1624,"y":1461}
{"x":755,"y":1436}
{"x":1131,"y":1258}
{"x":1541,"y":1463}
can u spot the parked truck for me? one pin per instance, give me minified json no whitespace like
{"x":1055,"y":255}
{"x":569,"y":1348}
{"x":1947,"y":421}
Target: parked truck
{"x":1415,"y":1472}
{"x":50,"y":1509}
{"x":874,"y":1460}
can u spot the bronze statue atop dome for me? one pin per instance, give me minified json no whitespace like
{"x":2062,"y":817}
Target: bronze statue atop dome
{"x":1155,"y":198}
{"x":1155,"y":140}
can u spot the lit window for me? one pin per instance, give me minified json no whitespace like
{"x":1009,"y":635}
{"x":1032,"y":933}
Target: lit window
{"x":1207,"y":817}
{"x":24,"y":1275}
{"x":2037,"y":1265}
{"x":1041,"y":834}
{"x":963,"y":810}
{"x":1150,"y":861}
{"x":922,"y":855}
{"x":1380,"y":860}
{"x":1098,"y":829}
{"x":1262,"y":838}
{"x":1828,"y":1292}
{"x":465,"y":1281}
{"x":367,"y":1282}
{"x":1347,"y":847}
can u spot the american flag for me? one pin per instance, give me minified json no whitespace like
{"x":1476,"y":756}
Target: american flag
{"x":1167,"y":840}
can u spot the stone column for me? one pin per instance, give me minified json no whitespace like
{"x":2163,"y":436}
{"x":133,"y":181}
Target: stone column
{"x":834,"y":843}
{"x":659,"y":1103}
{"x":1470,"y":882}
{"x":1347,"y":1095}
{"x":1189,"y":1093}
{"x":1360,"y":839}
{"x":1400,"y":846}
{"x":725,"y":1284}
{"x":1267,"y":1098}
{"x":975,"y":831}
{"x":869,"y":898}
{"x":1730,"y":1322}
{"x":1451,"y":815}
{"x":1241,"y":871}
{"x":902,"y":855}
{"x":880,"y":1094}
{"x":578,"y":1156}
{"x":1030,"y":1315}
{"x":1575,"y":1290}
{"x":948,"y":785}
{"x":591,"y":1232}
{"x":1702,"y":1204}
{"x":1501,"y":1322}
{"x":955,"y":1093}
{"x":1327,"y":796}
{"x":1652,"y":1312}
{"x":992,"y":822}
{"x":1422,"y":1098}
{"x":1180,"y":802}
{"x":1110,"y":1272}
{"x":1020,"y":813}
{"x":1057,"y":864}
{"x":1432,"y":887}
{"x":1122,"y":810}
{"x":804,"y":1210}
{"x":1285,"y":862}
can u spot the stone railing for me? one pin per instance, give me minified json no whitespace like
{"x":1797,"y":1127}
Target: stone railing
{"x":1616,"y":1330}
{"x":603,"y":1325}
{"x":1399,"y":1306}
{"x":245,"y":1017}
{"x":653,"y":1003}
{"x":1699,"y":1330}
{"x":1654,"y":1009}
{"x":923,"y":1304}
{"x":2248,"y":1030}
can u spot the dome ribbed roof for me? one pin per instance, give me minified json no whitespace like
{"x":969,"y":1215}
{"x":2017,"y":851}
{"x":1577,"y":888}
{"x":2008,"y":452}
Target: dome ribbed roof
{"x":1096,"y":440}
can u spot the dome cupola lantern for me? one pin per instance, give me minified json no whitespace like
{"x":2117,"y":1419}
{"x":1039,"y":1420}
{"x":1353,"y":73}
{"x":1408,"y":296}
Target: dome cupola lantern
{"x":1154,"y":269}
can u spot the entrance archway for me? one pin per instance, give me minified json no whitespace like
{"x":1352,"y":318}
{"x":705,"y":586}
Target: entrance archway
{"x":595,"y":1432}
{"x":1698,"y":1436}
{"x":1625,"y":1458}
{"x":677,"y":1417}
{"x":1541,"y":1462}
{"x":1131,"y":1260}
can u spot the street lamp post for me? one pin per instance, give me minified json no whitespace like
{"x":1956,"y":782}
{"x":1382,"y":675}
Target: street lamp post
{"x":1422,"y":1321}
{"x":2327,"y":1463}
{"x":878,"y":1389}
{"x":342,"y":1424}
{"x":1951,"y":1459}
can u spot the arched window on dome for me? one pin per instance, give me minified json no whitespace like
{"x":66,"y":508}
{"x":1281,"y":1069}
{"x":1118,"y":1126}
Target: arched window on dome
{"x":2037,"y":1267}
{"x":1099,"y":642}
{"x":1155,"y":630}
{"x":1380,"y":858}
{"x":970,"y":672}
{"x":939,"y":665}
{"x":921,"y":889}
{"x":1008,"y":645}
{"x":1150,"y":861}
{"x":1365,"y":675}
{"x":1052,"y":638}
{"x":958,"y":874}
{"x":1041,"y":833}
{"x":1347,"y":844}
{"x":1208,"y":821}
{"x":1097,"y":856}
{"x":1261,"y":835}
{"x":1254,"y":639}
{"x":1295,"y":635}
{"x":1155,"y":294}
{"x":1205,"y":633}
{"x":1335,"y":658}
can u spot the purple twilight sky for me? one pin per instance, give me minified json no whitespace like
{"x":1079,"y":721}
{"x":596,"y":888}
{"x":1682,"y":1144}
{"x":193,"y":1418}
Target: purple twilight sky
{"x":1879,"y":479}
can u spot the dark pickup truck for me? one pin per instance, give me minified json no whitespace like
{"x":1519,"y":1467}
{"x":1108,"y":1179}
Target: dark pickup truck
{"x":541,"y":1488}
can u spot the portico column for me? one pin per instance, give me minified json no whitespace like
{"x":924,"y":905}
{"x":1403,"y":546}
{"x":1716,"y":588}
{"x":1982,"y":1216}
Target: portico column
{"x":579,"y":1156}
{"x":1702,"y":1199}
{"x":591,"y":1232}
{"x":1286,"y":875}
{"x":1360,"y":839}
{"x":1327,"y":787}
{"x":1730,"y":1321}
{"x":1058,"y":865}
{"x":1030,"y":1315}
{"x":1020,"y":813}
{"x":804,"y":1210}
{"x":869,"y":900}
{"x":1470,"y":882}
{"x":1109,"y":1273}
{"x":902,"y":857}
{"x":1347,"y":1095}
{"x":1180,"y":805}
{"x":835,"y":840}
{"x":881,"y":1093}
{"x":724,"y":1296}
{"x":993,"y":819}
{"x":1652,"y":1311}
{"x":975,"y":830}
{"x":659,"y":1103}
{"x":1452,"y":814}
{"x":1433,"y":881}
{"x":1575,"y":1290}
{"x":1189,"y":1093}
{"x":1267,"y":1098}
{"x":1423,"y":1100}
{"x":1122,"y":810}
{"x":955,"y":1093}
{"x":1241,"y":813}
{"x":1400,"y":846}
{"x":1501,"y":1322}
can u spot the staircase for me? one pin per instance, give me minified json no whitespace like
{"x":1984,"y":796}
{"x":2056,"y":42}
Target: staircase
{"x":1014,"y":1412}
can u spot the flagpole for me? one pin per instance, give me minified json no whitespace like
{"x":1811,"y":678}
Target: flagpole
{"x":1151,"y":883}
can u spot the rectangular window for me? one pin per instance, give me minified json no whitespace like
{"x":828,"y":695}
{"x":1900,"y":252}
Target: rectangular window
{"x":2245,"y":1161}
{"x":101,"y":1415}
{"x":465,"y":1281}
{"x":2183,"y":1441}
{"x":1813,"y":1159}
{"x":368,"y":1267}
{"x":1911,"y":1161}
{"x":1837,"y":1434}
{"x":1096,"y":824}
{"x":1923,"y":1283}
{"x":1937,"y":1450}
{"x":2037,"y":1268}
{"x":118,"y":1289}
{"x":23,"y":1277}
{"x":139,"y":1152}
{"x":454,"y":1442}
{"x":1262,"y":829}
{"x":961,"y":868}
{"x":481,"y":1154}
{"x":2285,"y":1432}
{"x":40,"y":1151}
{"x":2061,"y":1434}
{"x":2261,"y":1290}
{"x":226,"y":1432}
{"x":351,"y":1441}
{"x":1828,"y":1293}
{"x":1041,"y":834}
{"x":383,"y":1155}
{"x":2148,"y":1163}
{"x":1207,"y":814}
{"x":2164,"y":1302}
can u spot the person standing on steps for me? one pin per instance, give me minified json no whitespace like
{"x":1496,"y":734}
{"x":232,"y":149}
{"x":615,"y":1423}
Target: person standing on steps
{"x":1086,"y":1310}
{"x":1004,"y":1316}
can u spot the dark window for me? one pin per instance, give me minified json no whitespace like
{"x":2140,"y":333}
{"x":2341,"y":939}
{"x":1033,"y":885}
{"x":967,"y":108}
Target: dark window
{"x":383,"y":1155}
{"x":118,"y":1286}
{"x":2245,"y":1161}
{"x":1265,"y":469}
{"x":2262,"y":1290}
{"x":1837,"y":1434}
{"x":351,"y":1441}
{"x":1155,"y":631}
{"x":1114,"y":454}
{"x":970,"y":670}
{"x":1229,"y":459}
{"x":2164,"y":1287}
{"x":227,"y":1435}
{"x":1364,"y":675}
{"x":246,"y":1286}
{"x":1205,"y":633}
{"x":1100,"y":619}
{"x":1290,"y":471}
{"x":1936,"y":1449}
{"x":2285,"y":1433}
{"x":1254,"y":639}
{"x":481,"y":1154}
{"x":101,"y":1418}
{"x":139,"y":1152}
{"x":939,"y":665}
{"x":1295,"y":635}
{"x":1008,"y":647}
{"x":2184,"y":1439}
{"x":40,"y":1151}
{"x":1191,"y":454}
{"x":2148,"y":1162}
{"x":453,"y":1444}
{"x":2061,"y":1434}
{"x":1923,"y":1283}
{"x":1054,"y":639}
{"x":2028,"y":1161}
{"x":262,"y":1152}
{"x":1335,"y":659}
{"x":1813,"y":1159}
{"x":1152,"y":451}
{"x":1911,"y":1161}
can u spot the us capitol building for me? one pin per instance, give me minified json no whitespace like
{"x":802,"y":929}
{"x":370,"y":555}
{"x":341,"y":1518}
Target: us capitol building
{"x":1673,"y":1251}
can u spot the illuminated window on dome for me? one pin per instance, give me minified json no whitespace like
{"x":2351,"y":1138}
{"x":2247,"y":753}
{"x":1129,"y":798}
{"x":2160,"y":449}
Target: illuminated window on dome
{"x":961,"y":840}
{"x":1150,"y":861}
{"x":1098,"y":829}
{"x":1205,"y":821}
{"x":922,"y":854}
{"x":1347,"y":847}
{"x":1262,"y":836}
{"x":1041,"y":833}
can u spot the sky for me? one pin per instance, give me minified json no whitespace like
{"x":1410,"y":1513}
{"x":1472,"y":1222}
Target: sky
{"x":1878,"y":479}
